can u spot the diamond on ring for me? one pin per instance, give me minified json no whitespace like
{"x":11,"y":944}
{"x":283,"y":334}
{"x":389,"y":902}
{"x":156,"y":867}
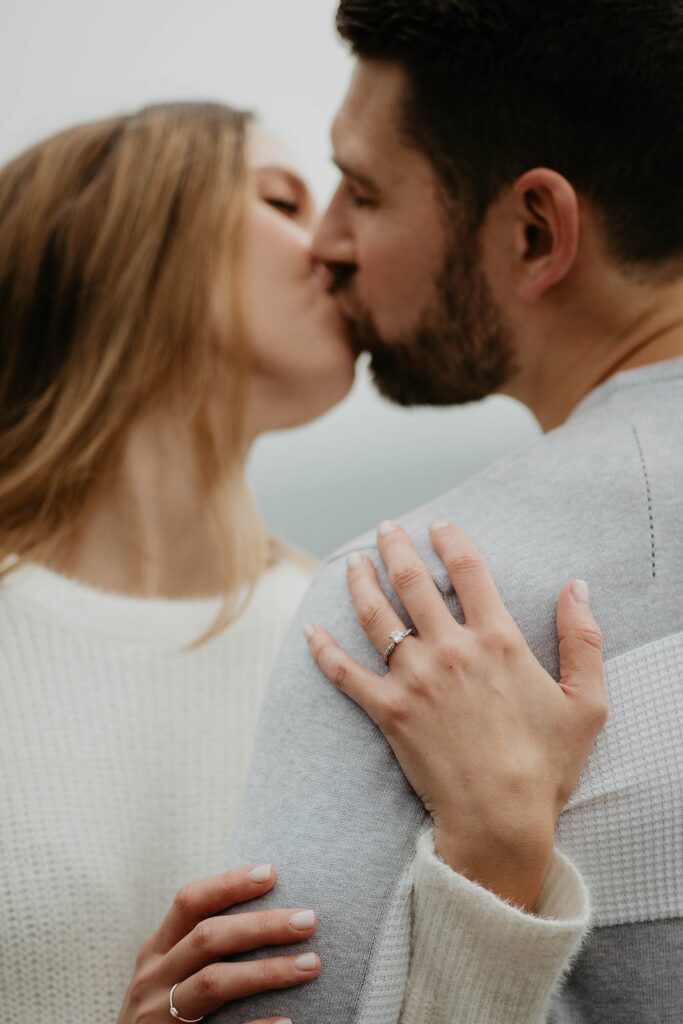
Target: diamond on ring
{"x":396,"y":638}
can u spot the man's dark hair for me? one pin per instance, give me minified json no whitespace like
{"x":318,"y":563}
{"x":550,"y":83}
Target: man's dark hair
{"x":590,"y":88}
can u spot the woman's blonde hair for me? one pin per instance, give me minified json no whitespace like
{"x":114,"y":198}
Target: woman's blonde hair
{"x":112,"y":237}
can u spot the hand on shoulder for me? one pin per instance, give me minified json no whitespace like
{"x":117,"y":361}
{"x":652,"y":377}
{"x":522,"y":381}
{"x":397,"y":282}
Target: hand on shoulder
{"x":490,"y":742}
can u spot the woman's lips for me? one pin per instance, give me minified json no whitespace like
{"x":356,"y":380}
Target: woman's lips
{"x":325,"y":275}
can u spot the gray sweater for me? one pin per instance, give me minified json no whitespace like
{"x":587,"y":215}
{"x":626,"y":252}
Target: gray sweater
{"x":600,"y":498}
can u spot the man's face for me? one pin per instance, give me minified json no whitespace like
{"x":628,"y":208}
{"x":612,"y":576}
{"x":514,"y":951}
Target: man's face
{"x":406,"y":274}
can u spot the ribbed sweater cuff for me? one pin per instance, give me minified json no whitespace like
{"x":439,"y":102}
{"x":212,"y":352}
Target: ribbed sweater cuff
{"x":477,"y":958}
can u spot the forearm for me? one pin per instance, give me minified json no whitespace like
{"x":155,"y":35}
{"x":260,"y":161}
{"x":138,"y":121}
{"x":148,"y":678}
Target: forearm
{"x":476,"y":958}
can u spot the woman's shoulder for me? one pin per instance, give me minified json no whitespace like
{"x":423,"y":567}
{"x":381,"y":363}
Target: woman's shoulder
{"x":286,"y":580}
{"x":275,"y":600}
{"x":292,"y":558}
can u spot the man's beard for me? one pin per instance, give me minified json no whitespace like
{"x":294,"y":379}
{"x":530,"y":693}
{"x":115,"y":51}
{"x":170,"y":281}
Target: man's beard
{"x":458,"y":351}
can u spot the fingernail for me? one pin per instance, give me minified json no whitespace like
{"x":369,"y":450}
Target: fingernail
{"x":386,"y":527}
{"x":262,"y":873}
{"x":306,"y":962}
{"x":284,"y":1020}
{"x":309,"y":632}
{"x":303,"y":920}
{"x":440,"y":524}
{"x":354,"y":560}
{"x":581,"y":592}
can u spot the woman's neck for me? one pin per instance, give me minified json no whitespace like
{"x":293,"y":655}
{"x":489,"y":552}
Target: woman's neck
{"x":149,"y":533}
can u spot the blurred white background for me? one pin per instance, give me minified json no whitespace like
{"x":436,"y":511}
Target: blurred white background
{"x":61,"y":62}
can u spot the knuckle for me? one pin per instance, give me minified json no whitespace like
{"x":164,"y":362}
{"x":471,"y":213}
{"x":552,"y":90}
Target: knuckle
{"x":208,"y":982}
{"x":500,"y":640}
{"x":463,"y":563}
{"x":588,"y":634}
{"x":395,"y":710}
{"x":369,"y":615}
{"x":204,"y":935}
{"x":147,"y":1014}
{"x":407,"y":577}
{"x":339,"y":675}
{"x":321,"y":647}
{"x":334,"y":667}
{"x":140,"y":988}
{"x":323,"y":650}
{"x":271,"y":973}
{"x":599,"y":714}
{"x":417,"y":680}
{"x":317,"y":644}
{"x":234,"y":886}
{"x":451,"y":657}
{"x":184,"y":901}
{"x":265,"y":926}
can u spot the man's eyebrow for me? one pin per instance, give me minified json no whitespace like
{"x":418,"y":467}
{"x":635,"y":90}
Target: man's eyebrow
{"x":354,"y":175}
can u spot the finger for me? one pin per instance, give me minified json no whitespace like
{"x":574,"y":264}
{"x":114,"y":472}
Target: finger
{"x":413,"y":582}
{"x":373,"y":609}
{"x":220,"y":983}
{"x":368,"y":690}
{"x":216,"y":937}
{"x":478,"y":595}
{"x":209,"y":896}
{"x":581,"y":646}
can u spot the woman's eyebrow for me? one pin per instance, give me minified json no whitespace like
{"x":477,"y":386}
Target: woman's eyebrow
{"x":293,"y":180}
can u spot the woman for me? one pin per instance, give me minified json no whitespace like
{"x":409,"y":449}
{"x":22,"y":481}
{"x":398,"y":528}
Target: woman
{"x":159,"y":310}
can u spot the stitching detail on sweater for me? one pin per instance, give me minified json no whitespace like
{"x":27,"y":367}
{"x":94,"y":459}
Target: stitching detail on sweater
{"x":648,"y":492}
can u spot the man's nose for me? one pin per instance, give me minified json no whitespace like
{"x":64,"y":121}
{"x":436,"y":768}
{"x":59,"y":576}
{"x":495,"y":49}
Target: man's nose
{"x":332,"y":241}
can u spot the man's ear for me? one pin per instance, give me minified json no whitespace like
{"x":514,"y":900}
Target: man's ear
{"x":547,"y":231}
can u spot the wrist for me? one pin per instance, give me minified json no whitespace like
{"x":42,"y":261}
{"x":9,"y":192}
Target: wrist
{"x":512,"y":868}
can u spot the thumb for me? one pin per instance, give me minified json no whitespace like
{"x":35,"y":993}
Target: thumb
{"x":581,"y":665}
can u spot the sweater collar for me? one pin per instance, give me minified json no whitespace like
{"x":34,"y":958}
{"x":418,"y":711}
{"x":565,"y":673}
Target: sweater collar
{"x":641,"y":376}
{"x":164,"y":623}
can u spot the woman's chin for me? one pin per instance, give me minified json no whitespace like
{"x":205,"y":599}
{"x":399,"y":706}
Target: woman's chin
{"x":326,"y":396}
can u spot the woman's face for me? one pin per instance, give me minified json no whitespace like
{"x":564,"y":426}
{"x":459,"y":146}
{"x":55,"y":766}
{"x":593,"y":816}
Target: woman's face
{"x":302,"y":363}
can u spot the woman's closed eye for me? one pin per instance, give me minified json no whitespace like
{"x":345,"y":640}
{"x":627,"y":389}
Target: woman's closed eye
{"x":287,"y":206}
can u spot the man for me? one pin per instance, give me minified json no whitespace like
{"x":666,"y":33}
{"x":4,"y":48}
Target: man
{"x":509,"y":220}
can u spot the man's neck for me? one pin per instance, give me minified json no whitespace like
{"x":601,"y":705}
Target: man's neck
{"x":585,"y":359}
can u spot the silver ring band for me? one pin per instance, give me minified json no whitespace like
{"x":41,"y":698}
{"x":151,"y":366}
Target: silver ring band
{"x":174,"y":1012}
{"x":396,"y":638}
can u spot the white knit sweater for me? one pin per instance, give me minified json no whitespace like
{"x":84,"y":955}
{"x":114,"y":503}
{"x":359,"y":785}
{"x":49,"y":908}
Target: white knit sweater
{"x":122,"y":763}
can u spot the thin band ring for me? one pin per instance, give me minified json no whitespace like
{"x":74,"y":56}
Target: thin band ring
{"x":174,"y":1012}
{"x":396,"y":638}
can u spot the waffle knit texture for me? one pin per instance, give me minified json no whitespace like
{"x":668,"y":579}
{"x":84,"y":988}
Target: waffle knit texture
{"x":601,"y":499}
{"x":121,"y":767}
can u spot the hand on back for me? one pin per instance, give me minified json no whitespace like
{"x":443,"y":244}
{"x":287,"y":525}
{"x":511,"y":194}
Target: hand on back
{"x":188,"y":950}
